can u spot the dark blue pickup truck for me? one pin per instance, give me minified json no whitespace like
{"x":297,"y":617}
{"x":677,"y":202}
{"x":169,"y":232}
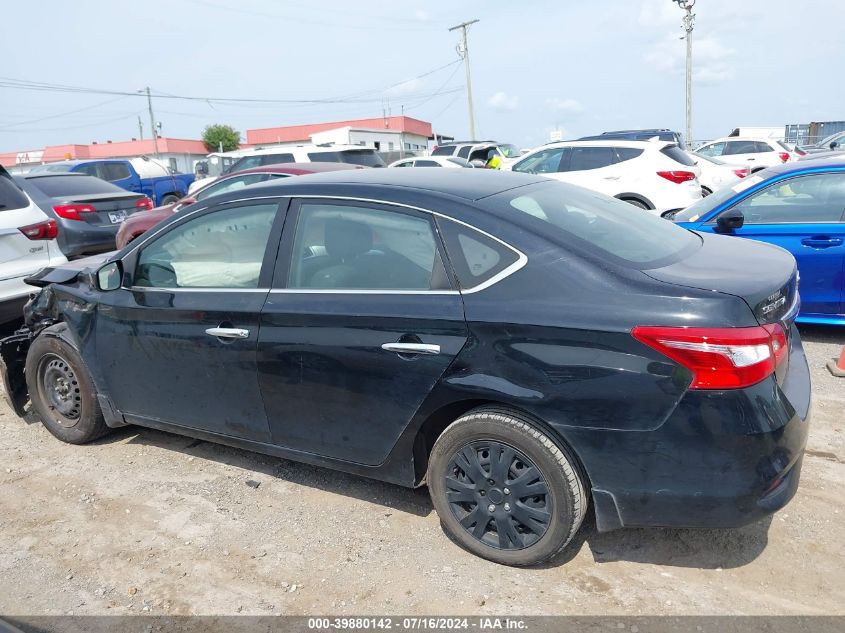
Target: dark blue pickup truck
{"x":141,"y":175}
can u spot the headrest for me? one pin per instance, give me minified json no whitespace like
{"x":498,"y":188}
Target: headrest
{"x":346,"y":238}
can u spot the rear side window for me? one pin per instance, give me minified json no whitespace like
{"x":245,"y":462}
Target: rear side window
{"x":760,"y":146}
{"x":627,"y":153}
{"x":114,"y":171}
{"x":596,"y":224}
{"x":444,"y":150}
{"x":464,"y":151}
{"x":586,"y":158}
{"x":11,"y":197}
{"x":61,"y":186}
{"x":274,"y":159}
{"x":678,"y":155}
{"x":367,"y":158}
{"x":742,"y":147}
{"x":476,"y":257}
{"x":426,"y":163}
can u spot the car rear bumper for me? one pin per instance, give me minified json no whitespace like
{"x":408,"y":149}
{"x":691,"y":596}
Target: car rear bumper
{"x":80,"y":238}
{"x":721,"y":459}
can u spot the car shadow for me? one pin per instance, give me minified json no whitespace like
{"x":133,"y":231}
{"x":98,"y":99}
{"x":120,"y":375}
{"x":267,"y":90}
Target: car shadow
{"x":258,"y":465}
{"x":698,"y":548}
{"x":822,"y":334}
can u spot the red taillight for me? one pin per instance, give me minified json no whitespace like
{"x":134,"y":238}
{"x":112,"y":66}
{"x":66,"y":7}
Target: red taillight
{"x":677,"y":176}
{"x":784,"y":156}
{"x":720,"y":358}
{"x":72,"y":211}
{"x":742,"y":172}
{"x":144,"y":203}
{"x":48,"y":230}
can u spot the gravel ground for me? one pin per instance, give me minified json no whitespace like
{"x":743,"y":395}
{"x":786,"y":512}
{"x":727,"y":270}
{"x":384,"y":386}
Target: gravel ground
{"x":144,"y":522}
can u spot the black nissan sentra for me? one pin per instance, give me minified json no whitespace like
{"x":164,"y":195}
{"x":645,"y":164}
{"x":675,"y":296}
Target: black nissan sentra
{"x":529,"y":350}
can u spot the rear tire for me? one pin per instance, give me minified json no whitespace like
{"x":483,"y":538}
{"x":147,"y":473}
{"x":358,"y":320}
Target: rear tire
{"x":62,"y":392}
{"x":169,"y":199}
{"x":503,"y":489}
{"x":636,"y":203}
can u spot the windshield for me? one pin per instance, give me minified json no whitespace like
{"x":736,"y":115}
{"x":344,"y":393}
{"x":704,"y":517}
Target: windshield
{"x":510,"y":151}
{"x":703,"y":206}
{"x":589,"y":221}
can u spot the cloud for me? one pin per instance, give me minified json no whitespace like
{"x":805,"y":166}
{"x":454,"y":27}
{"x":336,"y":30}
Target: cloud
{"x":712,"y":61}
{"x":421,"y":15}
{"x":503,"y":101}
{"x":571,"y":106}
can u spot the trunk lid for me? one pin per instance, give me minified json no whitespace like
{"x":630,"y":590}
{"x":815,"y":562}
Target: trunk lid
{"x":112,"y":208}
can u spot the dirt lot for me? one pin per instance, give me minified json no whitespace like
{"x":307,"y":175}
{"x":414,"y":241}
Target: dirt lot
{"x":152,"y":523}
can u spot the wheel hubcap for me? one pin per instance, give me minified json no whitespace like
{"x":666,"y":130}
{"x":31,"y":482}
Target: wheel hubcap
{"x":498,"y":495}
{"x":60,"y":389}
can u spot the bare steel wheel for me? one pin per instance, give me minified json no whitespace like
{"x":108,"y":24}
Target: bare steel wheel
{"x":61,"y":388}
{"x":503,"y":489}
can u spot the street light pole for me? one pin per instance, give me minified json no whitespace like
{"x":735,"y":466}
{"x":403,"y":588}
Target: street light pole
{"x":689,"y":24}
{"x":465,"y":55}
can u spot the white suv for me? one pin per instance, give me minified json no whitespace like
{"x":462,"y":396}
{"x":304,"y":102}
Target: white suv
{"x":27,"y":244}
{"x":654,"y":175}
{"x":247,"y":159}
{"x":757,"y":153}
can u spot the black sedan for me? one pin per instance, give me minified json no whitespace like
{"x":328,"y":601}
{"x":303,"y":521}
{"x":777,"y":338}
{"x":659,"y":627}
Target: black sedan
{"x":519,"y":345}
{"x":88,"y":210}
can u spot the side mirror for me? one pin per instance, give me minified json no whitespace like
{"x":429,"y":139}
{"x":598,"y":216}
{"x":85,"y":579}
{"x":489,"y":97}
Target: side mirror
{"x":109,"y":277}
{"x":834,"y":144}
{"x":729,"y":221}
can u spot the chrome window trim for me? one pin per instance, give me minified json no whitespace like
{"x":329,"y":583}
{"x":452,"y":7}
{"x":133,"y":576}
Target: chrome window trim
{"x":197,"y":289}
{"x":522,"y":258}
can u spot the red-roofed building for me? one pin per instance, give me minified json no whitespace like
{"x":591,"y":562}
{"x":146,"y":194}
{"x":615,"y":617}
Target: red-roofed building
{"x":379,"y":132}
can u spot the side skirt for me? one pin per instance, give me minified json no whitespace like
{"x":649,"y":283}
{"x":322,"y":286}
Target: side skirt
{"x":392,"y":470}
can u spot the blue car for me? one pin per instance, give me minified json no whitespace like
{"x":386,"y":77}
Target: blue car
{"x":799,"y":207}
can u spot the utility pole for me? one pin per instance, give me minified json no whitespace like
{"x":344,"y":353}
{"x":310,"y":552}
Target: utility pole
{"x":464,"y":53}
{"x":689,"y":24}
{"x":140,"y":129}
{"x":152,"y":121}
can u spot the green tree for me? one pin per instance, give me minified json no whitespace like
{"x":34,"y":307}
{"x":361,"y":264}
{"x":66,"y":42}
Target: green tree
{"x":216,"y":135}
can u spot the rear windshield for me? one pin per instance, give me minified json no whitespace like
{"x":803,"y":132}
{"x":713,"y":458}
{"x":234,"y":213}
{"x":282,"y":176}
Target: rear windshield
{"x":59,"y":186}
{"x":38,"y":169}
{"x":365,"y":157}
{"x":678,"y":155}
{"x":11,"y":197}
{"x":588,"y":221}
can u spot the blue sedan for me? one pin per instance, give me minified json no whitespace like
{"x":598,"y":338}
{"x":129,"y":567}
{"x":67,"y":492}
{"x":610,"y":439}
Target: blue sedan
{"x":799,"y":207}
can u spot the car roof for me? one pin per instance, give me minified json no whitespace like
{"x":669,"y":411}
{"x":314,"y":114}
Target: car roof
{"x":808,"y":165}
{"x":469,"y":184}
{"x":743,"y":138}
{"x":297,"y":169}
{"x":609,"y":143}
{"x":307,"y":147}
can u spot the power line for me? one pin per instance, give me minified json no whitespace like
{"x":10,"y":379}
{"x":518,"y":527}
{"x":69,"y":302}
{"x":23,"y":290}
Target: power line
{"x":60,"y":114}
{"x":361,"y":97}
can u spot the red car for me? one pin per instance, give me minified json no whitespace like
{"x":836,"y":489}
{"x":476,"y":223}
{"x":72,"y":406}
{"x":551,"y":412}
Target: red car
{"x":139,"y":223}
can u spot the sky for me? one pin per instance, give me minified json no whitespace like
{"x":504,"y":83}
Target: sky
{"x":537,"y":65}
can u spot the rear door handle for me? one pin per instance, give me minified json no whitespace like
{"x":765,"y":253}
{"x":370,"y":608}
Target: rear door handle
{"x":821,"y":241}
{"x":227,"y":332}
{"x":411,"y":348}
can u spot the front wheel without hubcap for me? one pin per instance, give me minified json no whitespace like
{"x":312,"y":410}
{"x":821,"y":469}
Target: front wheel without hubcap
{"x":503,"y":489}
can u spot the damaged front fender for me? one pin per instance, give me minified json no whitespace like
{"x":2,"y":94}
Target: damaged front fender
{"x":13,"y":350}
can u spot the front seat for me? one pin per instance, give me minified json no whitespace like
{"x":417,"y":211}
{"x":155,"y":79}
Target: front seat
{"x":346,"y":241}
